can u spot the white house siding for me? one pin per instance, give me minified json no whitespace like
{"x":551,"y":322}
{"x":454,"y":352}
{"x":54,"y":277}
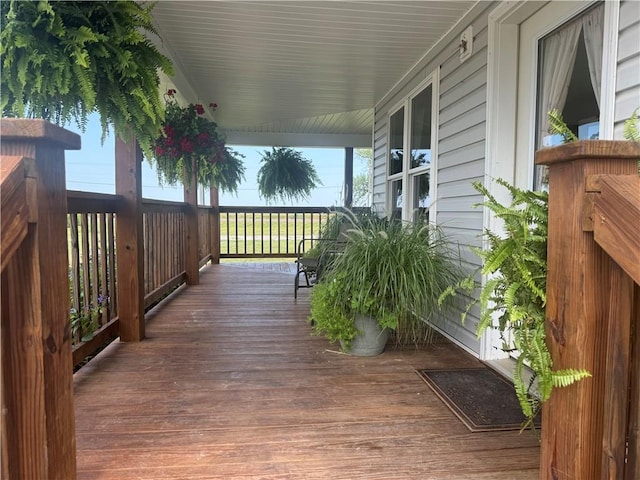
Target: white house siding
{"x":628,"y":67}
{"x":461,"y":148}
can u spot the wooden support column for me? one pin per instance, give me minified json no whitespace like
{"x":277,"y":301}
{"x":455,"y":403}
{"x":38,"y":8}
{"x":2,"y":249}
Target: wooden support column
{"x":582,"y":309}
{"x":348,"y":177}
{"x":192,"y":262}
{"x":129,"y":241}
{"x":215,"y":225}
{"x":38,"y":423}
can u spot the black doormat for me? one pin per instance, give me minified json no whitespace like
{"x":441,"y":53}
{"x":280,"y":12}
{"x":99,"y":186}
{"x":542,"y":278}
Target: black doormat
{"x":479,"y":397}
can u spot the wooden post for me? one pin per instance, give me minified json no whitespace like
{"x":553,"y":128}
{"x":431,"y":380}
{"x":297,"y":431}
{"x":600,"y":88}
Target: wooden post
{"x":38,"y":423}
{"x":215,"y":225}
{"x":581,"y":308}
{"x":348,"y":177}
{"x":192,"y":262}
{"x":129,"y":241}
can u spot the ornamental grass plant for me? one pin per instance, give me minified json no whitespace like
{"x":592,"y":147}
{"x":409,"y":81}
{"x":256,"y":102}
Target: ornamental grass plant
{"x":392,"y":271}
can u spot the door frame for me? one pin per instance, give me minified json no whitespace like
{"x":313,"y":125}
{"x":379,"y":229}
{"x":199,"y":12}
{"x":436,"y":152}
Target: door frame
{"x":502,"y":100}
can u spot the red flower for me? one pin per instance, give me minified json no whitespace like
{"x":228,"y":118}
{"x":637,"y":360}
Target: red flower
{"x":213,"y":105}
{"x":169,"y":131}
{"x":159,"y":150}
{"x":199,"y":109}
{"x":171,"y":92}
{"x":186,"y":145}
{"x":203,"y":138}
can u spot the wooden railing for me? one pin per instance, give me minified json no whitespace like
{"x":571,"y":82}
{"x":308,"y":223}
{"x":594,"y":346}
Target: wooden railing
{"x":37,"y":421}
{"x":91,"y":247}
{"x":255,"y":232}
{"x":92,"y":260}
{"x":164,"y":248}
{"x":592,"y":429}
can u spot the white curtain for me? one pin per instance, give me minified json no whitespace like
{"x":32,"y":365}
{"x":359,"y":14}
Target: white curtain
{"x":558,"y":58}
{"x":593,"y":28}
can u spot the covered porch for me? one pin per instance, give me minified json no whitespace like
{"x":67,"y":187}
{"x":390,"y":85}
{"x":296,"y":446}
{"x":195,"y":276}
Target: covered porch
{"x":229,"y":383}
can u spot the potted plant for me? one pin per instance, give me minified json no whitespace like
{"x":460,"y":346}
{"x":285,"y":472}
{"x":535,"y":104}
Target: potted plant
{"x":187,"y":137}
{"x":286,"y":175}
{"x":390,"y":274}
{"x":64,"y":60}
{"x":513,"y":298}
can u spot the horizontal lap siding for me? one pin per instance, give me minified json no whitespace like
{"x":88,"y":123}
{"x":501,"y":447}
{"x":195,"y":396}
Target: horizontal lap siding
{"x":461,"y":161}
{"x":628,"y":68}
{"x":461,"y":153}
{"x":379,"y":164}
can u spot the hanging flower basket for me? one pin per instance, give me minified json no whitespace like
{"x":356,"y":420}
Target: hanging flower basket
{"x":187,"y":135}
{"x":286,"y":175}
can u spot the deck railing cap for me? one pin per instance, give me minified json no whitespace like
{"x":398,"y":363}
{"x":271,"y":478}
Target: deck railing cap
{"x":38,"y":130}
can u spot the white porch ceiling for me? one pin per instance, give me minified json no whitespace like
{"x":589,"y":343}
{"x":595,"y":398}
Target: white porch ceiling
{"x":300,"y":73}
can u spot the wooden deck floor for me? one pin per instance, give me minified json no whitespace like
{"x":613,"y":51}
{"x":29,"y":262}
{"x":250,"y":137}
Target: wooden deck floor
{"x":230,"y":384}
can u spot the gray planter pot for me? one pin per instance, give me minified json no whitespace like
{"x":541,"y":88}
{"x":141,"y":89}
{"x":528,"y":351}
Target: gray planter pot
{"x":371,"y":341}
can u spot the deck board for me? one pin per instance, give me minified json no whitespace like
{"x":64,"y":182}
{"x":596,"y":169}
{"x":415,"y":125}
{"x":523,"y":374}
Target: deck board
{"x":230,"y":384}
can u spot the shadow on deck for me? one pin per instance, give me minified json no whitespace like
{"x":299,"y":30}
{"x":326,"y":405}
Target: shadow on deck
{"x":230,"y":384}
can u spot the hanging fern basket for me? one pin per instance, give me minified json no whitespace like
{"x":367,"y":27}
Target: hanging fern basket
{"x":62,"y":61}
{"x":286,"y":175}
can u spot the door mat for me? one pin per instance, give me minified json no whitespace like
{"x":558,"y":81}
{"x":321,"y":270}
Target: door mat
{"x":483,"y":400}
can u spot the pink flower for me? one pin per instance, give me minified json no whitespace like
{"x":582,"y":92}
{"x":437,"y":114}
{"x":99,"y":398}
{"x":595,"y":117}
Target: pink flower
{"x":199,"y":109}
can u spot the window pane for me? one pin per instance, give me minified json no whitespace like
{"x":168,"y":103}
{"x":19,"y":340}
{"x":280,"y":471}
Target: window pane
{"x":421,"y":128}
{"x":396,"y":141}
{"x":421,"y":199}
{"x":396,"y":199}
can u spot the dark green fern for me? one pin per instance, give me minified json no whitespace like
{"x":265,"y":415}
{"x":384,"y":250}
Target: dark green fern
{"x":62,"y":60}
{"x":286,"y":175}
{"x":514,"y":293}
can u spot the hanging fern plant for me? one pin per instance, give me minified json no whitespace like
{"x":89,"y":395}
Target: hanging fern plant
{"x":63,"y":60}
{"x":286,"y":175}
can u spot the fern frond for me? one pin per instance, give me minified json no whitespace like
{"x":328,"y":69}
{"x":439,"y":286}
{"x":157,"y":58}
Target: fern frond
{"x":631,"y":131}
{"x":564,"y":378}
{"x":557,"y":126}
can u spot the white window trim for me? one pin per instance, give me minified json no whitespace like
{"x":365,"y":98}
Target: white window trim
{"x":408,"y":173}
{"x":389,"y":203}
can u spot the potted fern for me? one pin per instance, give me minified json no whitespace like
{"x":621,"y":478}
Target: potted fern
{"x":514,"y":294}
{"x":388,"y":278}
{"x":64,"y":60}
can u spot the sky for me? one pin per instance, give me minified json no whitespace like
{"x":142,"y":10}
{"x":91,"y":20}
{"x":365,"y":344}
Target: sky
{"x":92,"y":169}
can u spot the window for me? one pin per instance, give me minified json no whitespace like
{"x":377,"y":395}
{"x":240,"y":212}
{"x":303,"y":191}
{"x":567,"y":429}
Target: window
{"x":569,"y":80}
{"x":410,"y":130}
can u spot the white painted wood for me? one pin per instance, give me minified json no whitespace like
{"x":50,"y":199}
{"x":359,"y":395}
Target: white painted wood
{"x":298,"y":67}
{"x":609,"y":68}
{"x":627,"y":82}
